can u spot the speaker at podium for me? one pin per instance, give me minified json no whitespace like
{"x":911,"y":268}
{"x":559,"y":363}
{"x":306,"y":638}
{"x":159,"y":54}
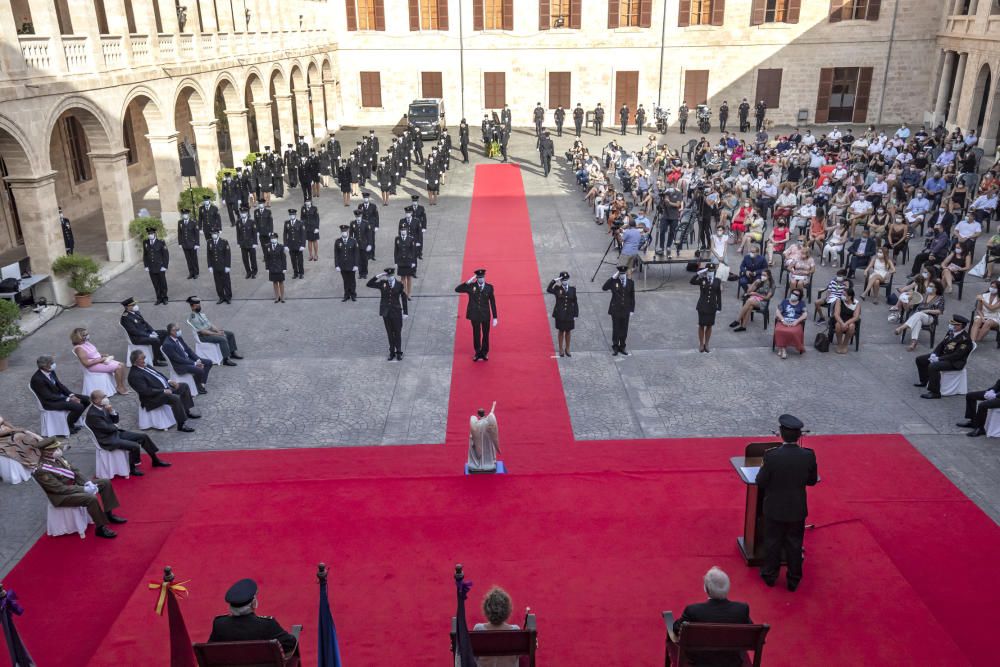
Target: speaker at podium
{"x":751,"y":542}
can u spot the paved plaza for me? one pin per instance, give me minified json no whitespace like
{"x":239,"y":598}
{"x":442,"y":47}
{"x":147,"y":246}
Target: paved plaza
{"x":315,"y":373}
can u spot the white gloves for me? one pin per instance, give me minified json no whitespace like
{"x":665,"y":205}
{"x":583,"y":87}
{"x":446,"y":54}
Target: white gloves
{"x":336,"y":268}
{"x":495,"y":320}
{"x":227,"y":269}
{"x":196,"y":247}
{"x":405,"y":316}
{"x":933,"y":358}
{"x":211,"y":270}
{"x":990,"y":395}
{"x":254,"y":247}
{"x":302,"y":248}
{"x":368,"y":248}
{"x":147,"y":269}
{"x":90,"y":488}
{"x":354,"y":269}
{"x":413,"y":266}
{"x":163,"y":270}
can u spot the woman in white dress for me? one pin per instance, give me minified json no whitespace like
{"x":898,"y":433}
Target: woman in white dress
{"x":484,"y":441}
{"x":497,"y":608}
{"x":880,"y":267}
{"x":987,"y":313}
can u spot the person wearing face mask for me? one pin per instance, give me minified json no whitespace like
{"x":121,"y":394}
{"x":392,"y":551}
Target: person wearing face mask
{"x":405,"y":256}
{"x":94,"y":361}
{"x":231,"y":197}
{"x":156,"y":259}
{"x":208,"y":333}
{"x":565,"y":311}
{"x":295,"y":240}
{"x":310,"y":218}
{"x":924,"y":313}
{"x":184,"y":360}
{"x":977,"y":407}
{"x":709,"y":303}
{"x":950,"y":354}
{"x":392,"y":309}
{"x":276,"y":264}
{"x":53,"y":394}
{"x":208,"y":217}
{"x":481,"y":305}
{"x":861,"y":251}
{"x":361,"y":231}
{"x":139,"y":330}
{"x":789,"y":324}
{"x":954,"y":267}
{"x":264,"y":222}
{"x":369,"y":212}
{"x":247,"y":238}
{"x":219,"y":260}
{"x":102,"y":420}
{"x":620,"y":309}
{"x":987,"y":310}
{"x":189,"y":239}
{"x":409,"y":222}
{"x":65,"y":486}
{"x":752,"y":266}
{"x":345,"y":256}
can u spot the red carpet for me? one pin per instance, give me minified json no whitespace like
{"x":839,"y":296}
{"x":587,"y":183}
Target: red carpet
{"x":596,"y":537}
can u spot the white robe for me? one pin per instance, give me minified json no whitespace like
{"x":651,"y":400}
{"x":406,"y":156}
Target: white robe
{"x":484,"y":442}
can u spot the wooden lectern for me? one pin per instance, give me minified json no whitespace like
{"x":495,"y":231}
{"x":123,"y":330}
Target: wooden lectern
{"x":751,"y":543}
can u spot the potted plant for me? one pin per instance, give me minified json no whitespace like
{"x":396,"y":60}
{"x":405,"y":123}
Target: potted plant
{"x":10,"y":332}
{"x":137,"y":229}
{"x":82,"y":273}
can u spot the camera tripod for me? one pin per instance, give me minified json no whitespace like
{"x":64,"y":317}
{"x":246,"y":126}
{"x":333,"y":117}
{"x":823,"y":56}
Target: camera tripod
{"x":613,"y":241}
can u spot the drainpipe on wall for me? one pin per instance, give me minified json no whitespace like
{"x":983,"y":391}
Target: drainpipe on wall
{"x":888,"y":57}
{"x":461,"y":59}
{"x":663,"y":39}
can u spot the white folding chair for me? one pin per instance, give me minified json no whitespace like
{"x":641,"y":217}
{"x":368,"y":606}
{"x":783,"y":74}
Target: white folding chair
{"x":146,"y":349}
{"x":210,"y":351}
{"x":109,"y":463}
{"x":993,"y":423}
{"x":67,"y":520}
{"x":956,"y":382}
{"x":186,"y":378}
{"x":13,"y":472}
{"x":161,"y":418}
{"x":93,"y":380}
{"x":53,"y":421}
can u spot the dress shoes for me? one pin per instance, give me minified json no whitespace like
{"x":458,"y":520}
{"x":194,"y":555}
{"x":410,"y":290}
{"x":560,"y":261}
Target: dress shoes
{"x":220,"y":302}
{"x":792,"y":585}
{"x":346,"y":298}
{"x":624,"y":353}
{"x":930,"y":394}
{"x":484,"y":357}
{"x":74,"y":430}
{"x":976,"y":432}
{"x":137,"y":473}
{"x":185,"y":429}
{"x":769,"y":582}
{"x":114,"y":518}
{"x":106,"y":532}
{"x":919,"y":384}
{"x":227,"y":362}
{"x":202,"y":390}
{"x":354,"y":297}
{"x":235,"y":355}
{"x":614,"y":352}
{"x":399,"y":356}
{"x":160,"y":463}
{"x":475,"y":357}
{"x":966,"y":424}
{"x":160,"y":363}
{"x":392,"y":356}
{"x":194,"y":415}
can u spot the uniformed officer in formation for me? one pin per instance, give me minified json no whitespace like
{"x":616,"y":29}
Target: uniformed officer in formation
{"x":291,"y":159}
{"x":481,"y":307}
{"x":189,"y":239}
{"x":276,"y":170}
{"x":67,"y":232}
{"x":361,"y":231}
{"x":723,"y":115}
{"x":432,"y":176}
{"x":420,"y":216}
{"x":243,"y":624}
{"x":369,"y":212}
{"x":156,"y":259}
{"x":560,"y":118}
{"x":623,"y":118}
{"x":620,"y":309}
{"x":220,"y":260}
{"x":546,"y":150}
{"x":783,"y":477}
{"x":230,"y":197}
{"x":565,"y":311}
{"x":759,"y":112}
{"x":263,"y":220}
{"x":294,"y":238}
{"x":302,"y":147}
{"x":598,"y":119}
{"x":743,"y":111}
{"x":463,"y":140}
{"x":505,"y":117}
{"x":208,"y":218}
{"x":345,"y":259}
{"x":392,"y":309}
{"x":310,"y":218}
{"x":412,"y":226}
{"x":538,"y":116}
{"x":405,"y":256}
{"x":277,"y":265}
{"x":247,"y":238}
{"x":578,"y":116}
{"x":682,"y":116}
{"x":640,"y":119}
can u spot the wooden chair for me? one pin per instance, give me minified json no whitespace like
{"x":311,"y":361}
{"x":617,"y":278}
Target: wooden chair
{"x":713,"y":638}
{"x":495,"y":643}
{"x":266,"y":653}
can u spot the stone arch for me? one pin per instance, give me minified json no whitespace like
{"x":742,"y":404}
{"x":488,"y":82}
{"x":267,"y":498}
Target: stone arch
{"x":256,"y":91}
{"x":100,"y":136}
{"x":152,"y":148}
{"x":981,"y":98}
{"x":277,"y":80}
{"x":149,"y":105}
{"x":312,"y":72}
{"x":301,"y":122}
{"x":226,"y":85}
{"x":18,"y":163}
{"x":326,"y":70}
{"x":19,"y":154}
{"x":297,"y":79}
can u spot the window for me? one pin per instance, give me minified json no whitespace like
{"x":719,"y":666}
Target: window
{"x":630,"y":13}
{"x":371,"y":89}
{"x":843,"y":94}
{"x":559,"y":14}
{"x":854,"y":10}
{"x":365,"y":15}
{"x":492,"y":14}
{"x":769,"y":87}
{"x":775,"y":11}
{"x":430,"y":85}
{"x":428,"y":14}
{"x":701,"y":12}
{"x":128,"y":137}
{"x":494,"y":89}
{"x":493,"y":17}
{"x":76,"y":142}
{"x":559,"y":89}
{"x":695,"y":87}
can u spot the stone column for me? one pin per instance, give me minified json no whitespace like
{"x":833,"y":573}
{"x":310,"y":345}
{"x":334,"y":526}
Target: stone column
{"x":265,"y":128}
{"x":330,"y":98}
{"x":239,"y":134}
{"x":302,"y":113}
{"x":956,"y":91}
{"x":46,"y":23}
{"x":285,"y":124}
{"x":115,"y":190}
{"x":941,"y":103}
{"x":319,"y":110}
{"x":11,"y":59}
{"x":38,"y":209}
{"x":167,"y":166}
{"x":208,"y":151}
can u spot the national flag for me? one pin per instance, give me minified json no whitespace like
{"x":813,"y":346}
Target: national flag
{"x":463,"y":642}
{"x":329,"y":649}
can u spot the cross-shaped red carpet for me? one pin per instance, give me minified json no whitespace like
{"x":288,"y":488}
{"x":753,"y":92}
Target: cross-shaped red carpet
{"x":596,"y":537}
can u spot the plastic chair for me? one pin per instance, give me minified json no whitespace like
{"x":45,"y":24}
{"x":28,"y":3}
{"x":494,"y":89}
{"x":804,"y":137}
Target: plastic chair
{"x":210,"y":351}
{"x":102,"y":381}
{"x":956,"y":382}
{"x":992,"y":424}
{"x":53,"y":421}
{"x":146,"y":349}
{"x":186,"y":378}
{"x":13,"y":472}
{"x":66,"y":521}
{"x":112,"y":463}
{"x":161,"y":418}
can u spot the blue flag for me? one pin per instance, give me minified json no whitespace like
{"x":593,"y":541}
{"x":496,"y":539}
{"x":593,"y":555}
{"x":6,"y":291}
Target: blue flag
{"x":329,"y":650}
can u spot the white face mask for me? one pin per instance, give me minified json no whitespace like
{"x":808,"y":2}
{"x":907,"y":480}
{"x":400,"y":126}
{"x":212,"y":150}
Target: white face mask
{"x":215,"y":237}
{"x":793,"y":299}
{"x":106,"y":401}
{"x":930,"y":290}
{"x":152,"y":237}
{"x":481,"y":281}
{"x":135,"y":309}
{"x":402,"y":235}
{"x":343,"y":235}
{"x":52,"y":367}
{"x":273,"y":243}
{"x":565,"y":283}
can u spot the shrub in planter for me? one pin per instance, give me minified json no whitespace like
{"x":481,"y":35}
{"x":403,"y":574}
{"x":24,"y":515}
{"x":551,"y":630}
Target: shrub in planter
{"x":220,"y":175}
{"x":82,"y":273}
{"x":10,"y":332}
{"x":191,"y":199}
{"x":137,"y":229}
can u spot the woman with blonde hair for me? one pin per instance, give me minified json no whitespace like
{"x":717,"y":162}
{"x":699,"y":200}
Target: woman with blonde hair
{"x":94,"y":361}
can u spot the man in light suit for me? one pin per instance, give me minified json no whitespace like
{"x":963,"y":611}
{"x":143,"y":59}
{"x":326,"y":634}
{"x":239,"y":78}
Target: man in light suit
{"x":155,"y":390}
{"x":102,"y":420}
{"x":184,"y":360}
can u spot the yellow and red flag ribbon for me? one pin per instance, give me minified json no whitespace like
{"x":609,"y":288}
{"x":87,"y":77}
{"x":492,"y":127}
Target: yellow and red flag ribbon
{"x":178,"y":589}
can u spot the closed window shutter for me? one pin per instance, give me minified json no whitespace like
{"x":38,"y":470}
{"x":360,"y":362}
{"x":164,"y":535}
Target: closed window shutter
{"x":496,"y":93}
{"x":613,"y":13}
{"x":864,"y":91}
{"x":757,"y":12}
{"x":769,"y":87}
{"x":371,"y":89}
{"x":430,"y":85}
{"x":626,"y":92}
{"x":823,"y":96}
{"x":684,"y":13}
{"x":873,"y":8}
{"x":543,"y":14}
{"x":559,"y":89}
{"x":836,"y":10}
{"x":718,"y":12}
{"x":414,"y":15}
{"x":575,"y":8}
{"x":646,"y":13}
{"x":442,"y":14}
{"x":352,"y":16}
{"x":792,"y":13}
{"x":380,"y":20}
{"x":508,"y":14}
{"x":477,"y":14}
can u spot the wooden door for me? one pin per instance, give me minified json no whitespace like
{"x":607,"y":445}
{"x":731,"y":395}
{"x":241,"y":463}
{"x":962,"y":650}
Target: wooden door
{"x":626,"y":92}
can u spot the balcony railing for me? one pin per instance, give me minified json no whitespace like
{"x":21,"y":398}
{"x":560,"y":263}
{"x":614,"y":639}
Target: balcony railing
{"x":111,"y":49}
{"x":187,"y":51}
{"x":141,"y":55}
{"x":36,"y":53}
{"x":77,"y":53}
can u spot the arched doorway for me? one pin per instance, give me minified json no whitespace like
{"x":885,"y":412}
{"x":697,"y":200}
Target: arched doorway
{"x":14,"y":165}
{"x":300,"y":104}
{"x":258,"y":114}
{"x":981,"y":98}
{"x":227,"y":99}
{"x":317,"y":110}
{"x":281,"y":110}
{"x":153,"y":166}
{"x":196,"y":129}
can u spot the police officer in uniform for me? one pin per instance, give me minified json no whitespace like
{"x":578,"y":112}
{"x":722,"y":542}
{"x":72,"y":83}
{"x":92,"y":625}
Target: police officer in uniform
{"x":361,"y":231}
{"x":950,"y":354}
{"x":759,"y":111}
{"x":156,"y":259}
{"x":189,"y":239}
{"x":277,"y":171}
{"x":560,"y":117}
{"x":623,"y":118}
{"x":640,"y":119}
{"x":345,"y":258}
{"x":219,"y":263}
{"x":598,"y":119}
{"x":538,"y":115}
{"x":67,"y":232}
{"x":310,"y":218}
{"x":463,"y":141}
{"x":140,"y":332}
{"x":410,"y":223}
{"x":294,"y":238}
{"x":247,"y":239}
{"x":620,"y":309}
{"x":682,"y":117}
{"x":420,"y":215}
{"x":565,"y":311}
{"x":744,"y":114}
{"x":482,"y":304}
{"x":369,"y":212}
{"x":242,"y":623}
{"x":723,"y":115}
{"x":264,"y":222}
{"x":277,"y":265}
{"x":546,"y":150}
{"x":709,"y":303}
{"x":578,"y":120}
{"x":208,"y":219}
{"x":392,"y":309}
{"x":231,"y":197}
{"x":505,"y":117}
{"x":783,"y":477}
{"x":291,"y":166}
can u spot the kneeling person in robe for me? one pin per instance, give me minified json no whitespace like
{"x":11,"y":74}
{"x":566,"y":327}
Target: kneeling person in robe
{"x":484,"y":441}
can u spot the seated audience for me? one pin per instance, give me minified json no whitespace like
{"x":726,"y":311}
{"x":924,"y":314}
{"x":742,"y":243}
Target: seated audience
{"x":924,"y":313}
{"x":949,"y":355}
{"x":987,"y":315}
{"x":497,"y":608}
{"x":758,"y":297}
{"x":789,"y":324}
{"x":717,"y":609}
{"x":827,"y":298}
{"x":184,"y":360}
{"x":880,"y":267}
{"x":94,"y":361}
{"x":846,"y":315}
{"x":977,"y":405}
{"x":242,"y":624}
{"x":102,"y":420}
{"x":140,"y":332}
{"x":207,"y":333}
{"x":861,"y":250}
{"x":936,"y":248}
{"x":54,"y":395}
{"x":155,"y":390}
{"x":836,"y":239}
{"x":800,"y":266}
{"x":954,"y":267}
{"x":752,"y":266}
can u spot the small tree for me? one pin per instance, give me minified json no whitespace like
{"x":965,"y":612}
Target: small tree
{"x":10,"y":332}
{"x":137,"y":228}
{"x":82,"y":271}
{"x":190,"y":199}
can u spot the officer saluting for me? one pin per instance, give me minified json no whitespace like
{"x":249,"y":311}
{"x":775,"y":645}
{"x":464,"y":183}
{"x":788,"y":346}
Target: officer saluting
{"x":345,"y":257}
{"x":565,"y":311}
{"x":481,"y":305}
{"x":392,"y":309}
{"x":621,"y":307}
{"x":243,"y":624}
{"x":783,"y":477}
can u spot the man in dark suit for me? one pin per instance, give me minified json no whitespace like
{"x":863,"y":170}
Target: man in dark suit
{"x":156,"y":259}
{"x":140,"y":332}
{"x":621,"y":307}
{"x":67,"y":232}
{"x":243,"y":624}
{"x":977,"y":405}
{"x":155,"y":390}
{"x":717,"y":609}
{"x":949,"y":355}
{"x":184,"y":360}
{"x":53,"y":394}
{"x":392,"y":309}
{"x":783,"y":477}
{"x":482,"y":305}
{"x":861,"y":251}
{"x":65,"y":486}
{"x":220,"y":259}
{"x":102,"y":420}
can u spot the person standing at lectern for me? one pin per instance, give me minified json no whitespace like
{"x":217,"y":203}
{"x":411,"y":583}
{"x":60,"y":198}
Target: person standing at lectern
{"x":783,"y":477}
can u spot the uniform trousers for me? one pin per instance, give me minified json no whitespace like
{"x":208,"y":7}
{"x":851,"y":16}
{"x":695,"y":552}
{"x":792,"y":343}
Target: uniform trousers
{"x":233,"y":208}
{"x":94,"y":507}
{"x":930,"y":373}
{"x":249,"y":259}
{"x":619,"y":331}
{"x":191,"y":257}
{"x":394,"y":329}
{"x":977,"y":414}
{"x":465,"y":153}
{"x":783,"y":538}
{"x":154,"y":342}
{"x":279,"y":186}
{"x":298,"y":267}
{"x":226,"y":343}
{"x":159,"y":280}
{"x":350,"y":282}
{"x":559,"y":129}
{"x":597,"y":128}
{"x":131,"y":442}
{"x":223,"y":284}
{"x":481,"y":337}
